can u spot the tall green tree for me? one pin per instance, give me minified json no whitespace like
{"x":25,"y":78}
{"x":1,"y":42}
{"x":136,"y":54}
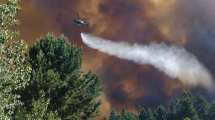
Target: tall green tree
{"x":211,"y":112}
{"x":143,"y":114}
{"x":187,"y":118}
{"x":125,"y":115}
{"x":201,"y":106}
{"x":39,"y":111}
{"x":114,"y":116}
{"x":161,"y":113}
{"x":184,"y":107}
{"x":56,"y":73}
{"x":14,"y":68}
{"x":146,"y":114}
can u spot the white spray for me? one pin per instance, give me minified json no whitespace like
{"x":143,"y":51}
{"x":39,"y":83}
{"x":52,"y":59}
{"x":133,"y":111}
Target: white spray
{"x":174,"y":61}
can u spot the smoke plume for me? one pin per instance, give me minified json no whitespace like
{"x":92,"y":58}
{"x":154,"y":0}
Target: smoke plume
{"x":174,"y":61}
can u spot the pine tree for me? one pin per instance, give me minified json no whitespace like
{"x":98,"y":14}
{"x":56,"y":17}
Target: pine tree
{"x":187,"y":118}
{"x":146,"y":114}
{"x":39,"y":111}
{"x":56,"y":71}
{"x":151,"y":115}
{"x":211,"y":112}
{"x":143,"y":114}
{"x":161,"y":113}
{"x":202,"y":106}
{"x":114,"y":116}
{"x":184,"y":108}
{"x":125,"y":115}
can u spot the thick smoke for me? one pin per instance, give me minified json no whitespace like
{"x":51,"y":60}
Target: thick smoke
{"x":189,"y":23}
{"x":172,"y":60}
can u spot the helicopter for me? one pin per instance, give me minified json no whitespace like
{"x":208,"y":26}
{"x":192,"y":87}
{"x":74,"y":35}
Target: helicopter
{"x":80,"y":22}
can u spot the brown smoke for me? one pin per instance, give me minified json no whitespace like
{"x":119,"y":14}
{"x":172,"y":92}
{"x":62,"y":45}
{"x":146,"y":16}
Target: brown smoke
{"x":34,"y":23}
{"x":126,"y":84}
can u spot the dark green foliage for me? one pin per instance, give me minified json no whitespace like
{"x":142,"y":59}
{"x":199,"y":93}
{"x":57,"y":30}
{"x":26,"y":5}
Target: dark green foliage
{"x":202,"y":106}
{"x":211,"y":112}
{"x":146,"y":114}
{"x":127,"y":116}
{"x":161,"y":113}
{"x":114,"y":116}
{"x":143,"y":114}
{"x":56,"y":74}
{"x":187,"y":118}
{"x":185,"y":107}
{"x":124,"y":115}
